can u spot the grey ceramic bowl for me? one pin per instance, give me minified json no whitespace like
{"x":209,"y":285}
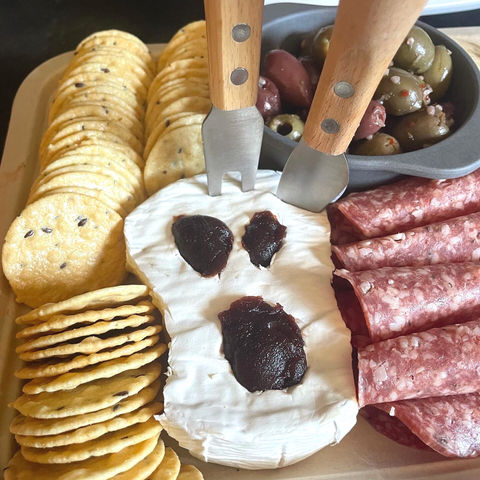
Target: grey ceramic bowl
{"x":459,"y":154}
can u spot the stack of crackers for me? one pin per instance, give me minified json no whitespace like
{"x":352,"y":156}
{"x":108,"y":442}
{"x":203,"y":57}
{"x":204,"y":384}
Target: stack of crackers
{"x":69,"y":238}
{"x":178,"y":101}
{"x":88,"y":406}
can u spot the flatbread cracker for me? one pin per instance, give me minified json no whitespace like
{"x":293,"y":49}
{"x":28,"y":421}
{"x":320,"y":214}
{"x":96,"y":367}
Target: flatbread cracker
{"x":95,"y":468}
{"x":89,"y":397}
{"x":189,"y":472}
{"x":92,"y":432}
{"x":169,"y":468}
{"x":71,"y":380}
{"x":29,"y":426}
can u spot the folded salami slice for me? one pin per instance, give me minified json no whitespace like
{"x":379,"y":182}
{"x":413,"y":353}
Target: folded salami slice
{"x":448,"y":425}
{"x":436,"y":363}
{"x":401,"y":300}
{"x":452,"y":241}
{"x":398,"y":207}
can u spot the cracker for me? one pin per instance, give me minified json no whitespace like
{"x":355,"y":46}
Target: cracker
{"x":169,"y":468}
{"x":189,"y":472}
{"x":109,"y":443}
{"x":177,"y":154}
{"x":52,"y":368}
{"x":58,"y":323}
{"x":29,"y":426}
{"x":87,"y":333}
{"x":89,"y":397}
{"x":95,"y":468}
{"x":146,"y":467}
{"x":71,"y":380}
{"x":195,"y":48}
{"x":111,"y":34}
{"x":92,"y":432}
{"x":73,"y":240}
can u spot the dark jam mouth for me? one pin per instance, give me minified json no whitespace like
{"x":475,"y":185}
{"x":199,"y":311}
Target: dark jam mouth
{"x":204,"y":242}
{"x":263,"y":345}
{"x":263,"y":238}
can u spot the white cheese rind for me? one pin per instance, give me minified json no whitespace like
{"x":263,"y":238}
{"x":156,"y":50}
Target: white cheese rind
{"x":206,"y":410}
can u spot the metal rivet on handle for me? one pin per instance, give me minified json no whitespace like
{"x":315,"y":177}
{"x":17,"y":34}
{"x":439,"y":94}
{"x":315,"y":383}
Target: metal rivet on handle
{"x":329,"y":125}
{"x":343,"y":89}
{"x":241,"y":32}
{"x":239,"y":76}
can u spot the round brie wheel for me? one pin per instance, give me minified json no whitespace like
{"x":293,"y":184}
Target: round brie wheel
{"x":206,"y":410}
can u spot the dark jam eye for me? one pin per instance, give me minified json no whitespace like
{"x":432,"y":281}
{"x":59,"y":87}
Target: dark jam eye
{"x":263,"y":238}
{"x":204,"y":242}
{"x":263,"y":344}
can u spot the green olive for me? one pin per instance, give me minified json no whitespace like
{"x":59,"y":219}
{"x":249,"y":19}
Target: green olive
{"x":321,"y":44}
{"x":439,"y":75}
{"x":378,"y":144}
{"x":416,"y":52}
{"x":288,"y":125}
{"x":400,"y":92}
{"x":422,"y":129}
{"x":307,"y":44}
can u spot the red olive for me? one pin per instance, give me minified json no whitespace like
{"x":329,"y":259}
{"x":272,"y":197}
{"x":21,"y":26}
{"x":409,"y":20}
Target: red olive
{"x":290,"y":77}
{"x":268,"y":98}
{"x":312,"y":69}
{"x":373,"y":120}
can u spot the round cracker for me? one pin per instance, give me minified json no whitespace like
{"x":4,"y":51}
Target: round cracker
{"x":29,"y":426}
{"x":92,"y":432}
{"x":176,"y":155}
{"x":89,"y":397}
{"x":108,"y":369}
{"x":114,"y":33}
{"x":52,"y":368}
{"x":195,"y":48}
{"x":105,"y":297}
{"x":188,"y":472}
{"x":169,"y":468}
{"x":73,"y":240}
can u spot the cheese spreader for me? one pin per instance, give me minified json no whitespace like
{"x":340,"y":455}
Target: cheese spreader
{"x":232,"y":132}
{"x":365,"y":38}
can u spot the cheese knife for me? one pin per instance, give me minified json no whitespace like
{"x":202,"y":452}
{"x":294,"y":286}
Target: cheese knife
{"x":365,"y":38}
{"x":232,"y":132}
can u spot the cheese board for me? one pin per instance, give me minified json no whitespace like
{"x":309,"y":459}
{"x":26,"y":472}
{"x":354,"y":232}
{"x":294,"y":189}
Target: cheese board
{"x":363,"y":453}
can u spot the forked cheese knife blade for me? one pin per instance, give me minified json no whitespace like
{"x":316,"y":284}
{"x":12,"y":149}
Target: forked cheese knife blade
{"x":365,"y":38}
{"x":232,"y":132}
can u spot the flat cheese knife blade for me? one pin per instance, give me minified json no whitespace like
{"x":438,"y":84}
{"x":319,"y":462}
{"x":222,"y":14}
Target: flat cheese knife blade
{"x":232,"y":132}
{"x":366,"y":36}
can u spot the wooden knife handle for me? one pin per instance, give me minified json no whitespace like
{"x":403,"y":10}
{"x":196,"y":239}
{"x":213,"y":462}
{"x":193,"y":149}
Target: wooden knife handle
{"x":225,"y":54}
{"x":366,"y":36}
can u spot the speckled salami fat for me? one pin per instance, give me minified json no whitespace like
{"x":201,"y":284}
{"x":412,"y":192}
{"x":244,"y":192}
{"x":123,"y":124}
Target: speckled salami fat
{"x":448,"y":425}
{"x":396,"y":301}
{"x":410,"y":203}
{"x":452,"y":241}
{"x":391,"y":427}
{"x":436,"y":363}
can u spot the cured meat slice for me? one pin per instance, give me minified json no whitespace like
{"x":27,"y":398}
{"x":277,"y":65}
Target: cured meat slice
{"x":398,"y":301}
{"x":391,"y":427}
{"x":452,"y":241}
{"x":409,"y":203}
{"x":449,"y":425}
{"x":438,"y":362}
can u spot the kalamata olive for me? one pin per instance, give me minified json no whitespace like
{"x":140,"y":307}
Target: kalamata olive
{"x":416,"y":52}
{"x":378,"y":144}
{"x":399,"y":92}
{"x":439,"y":75}
{"x":372,"y":121}
{"x":290,"y":77}
{"x":312,"y":70}
{"x":321,"y":44}
{"x":268,"y":98}
{"x":287,"y":125}
{"x":422,"y":129}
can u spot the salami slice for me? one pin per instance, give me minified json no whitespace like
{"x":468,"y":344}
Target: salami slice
{"x":353,"y":317}
{"x":391,"y":427}
{"x":436,"y":363}
{"x":452,"y":241}
{"x":398,"y":301}
{"x":401,"y":206}
{"x":448,"y":425}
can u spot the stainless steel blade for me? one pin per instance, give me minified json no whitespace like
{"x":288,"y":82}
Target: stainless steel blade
{"x":312,"y":179}
{"x":231,"y":143}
